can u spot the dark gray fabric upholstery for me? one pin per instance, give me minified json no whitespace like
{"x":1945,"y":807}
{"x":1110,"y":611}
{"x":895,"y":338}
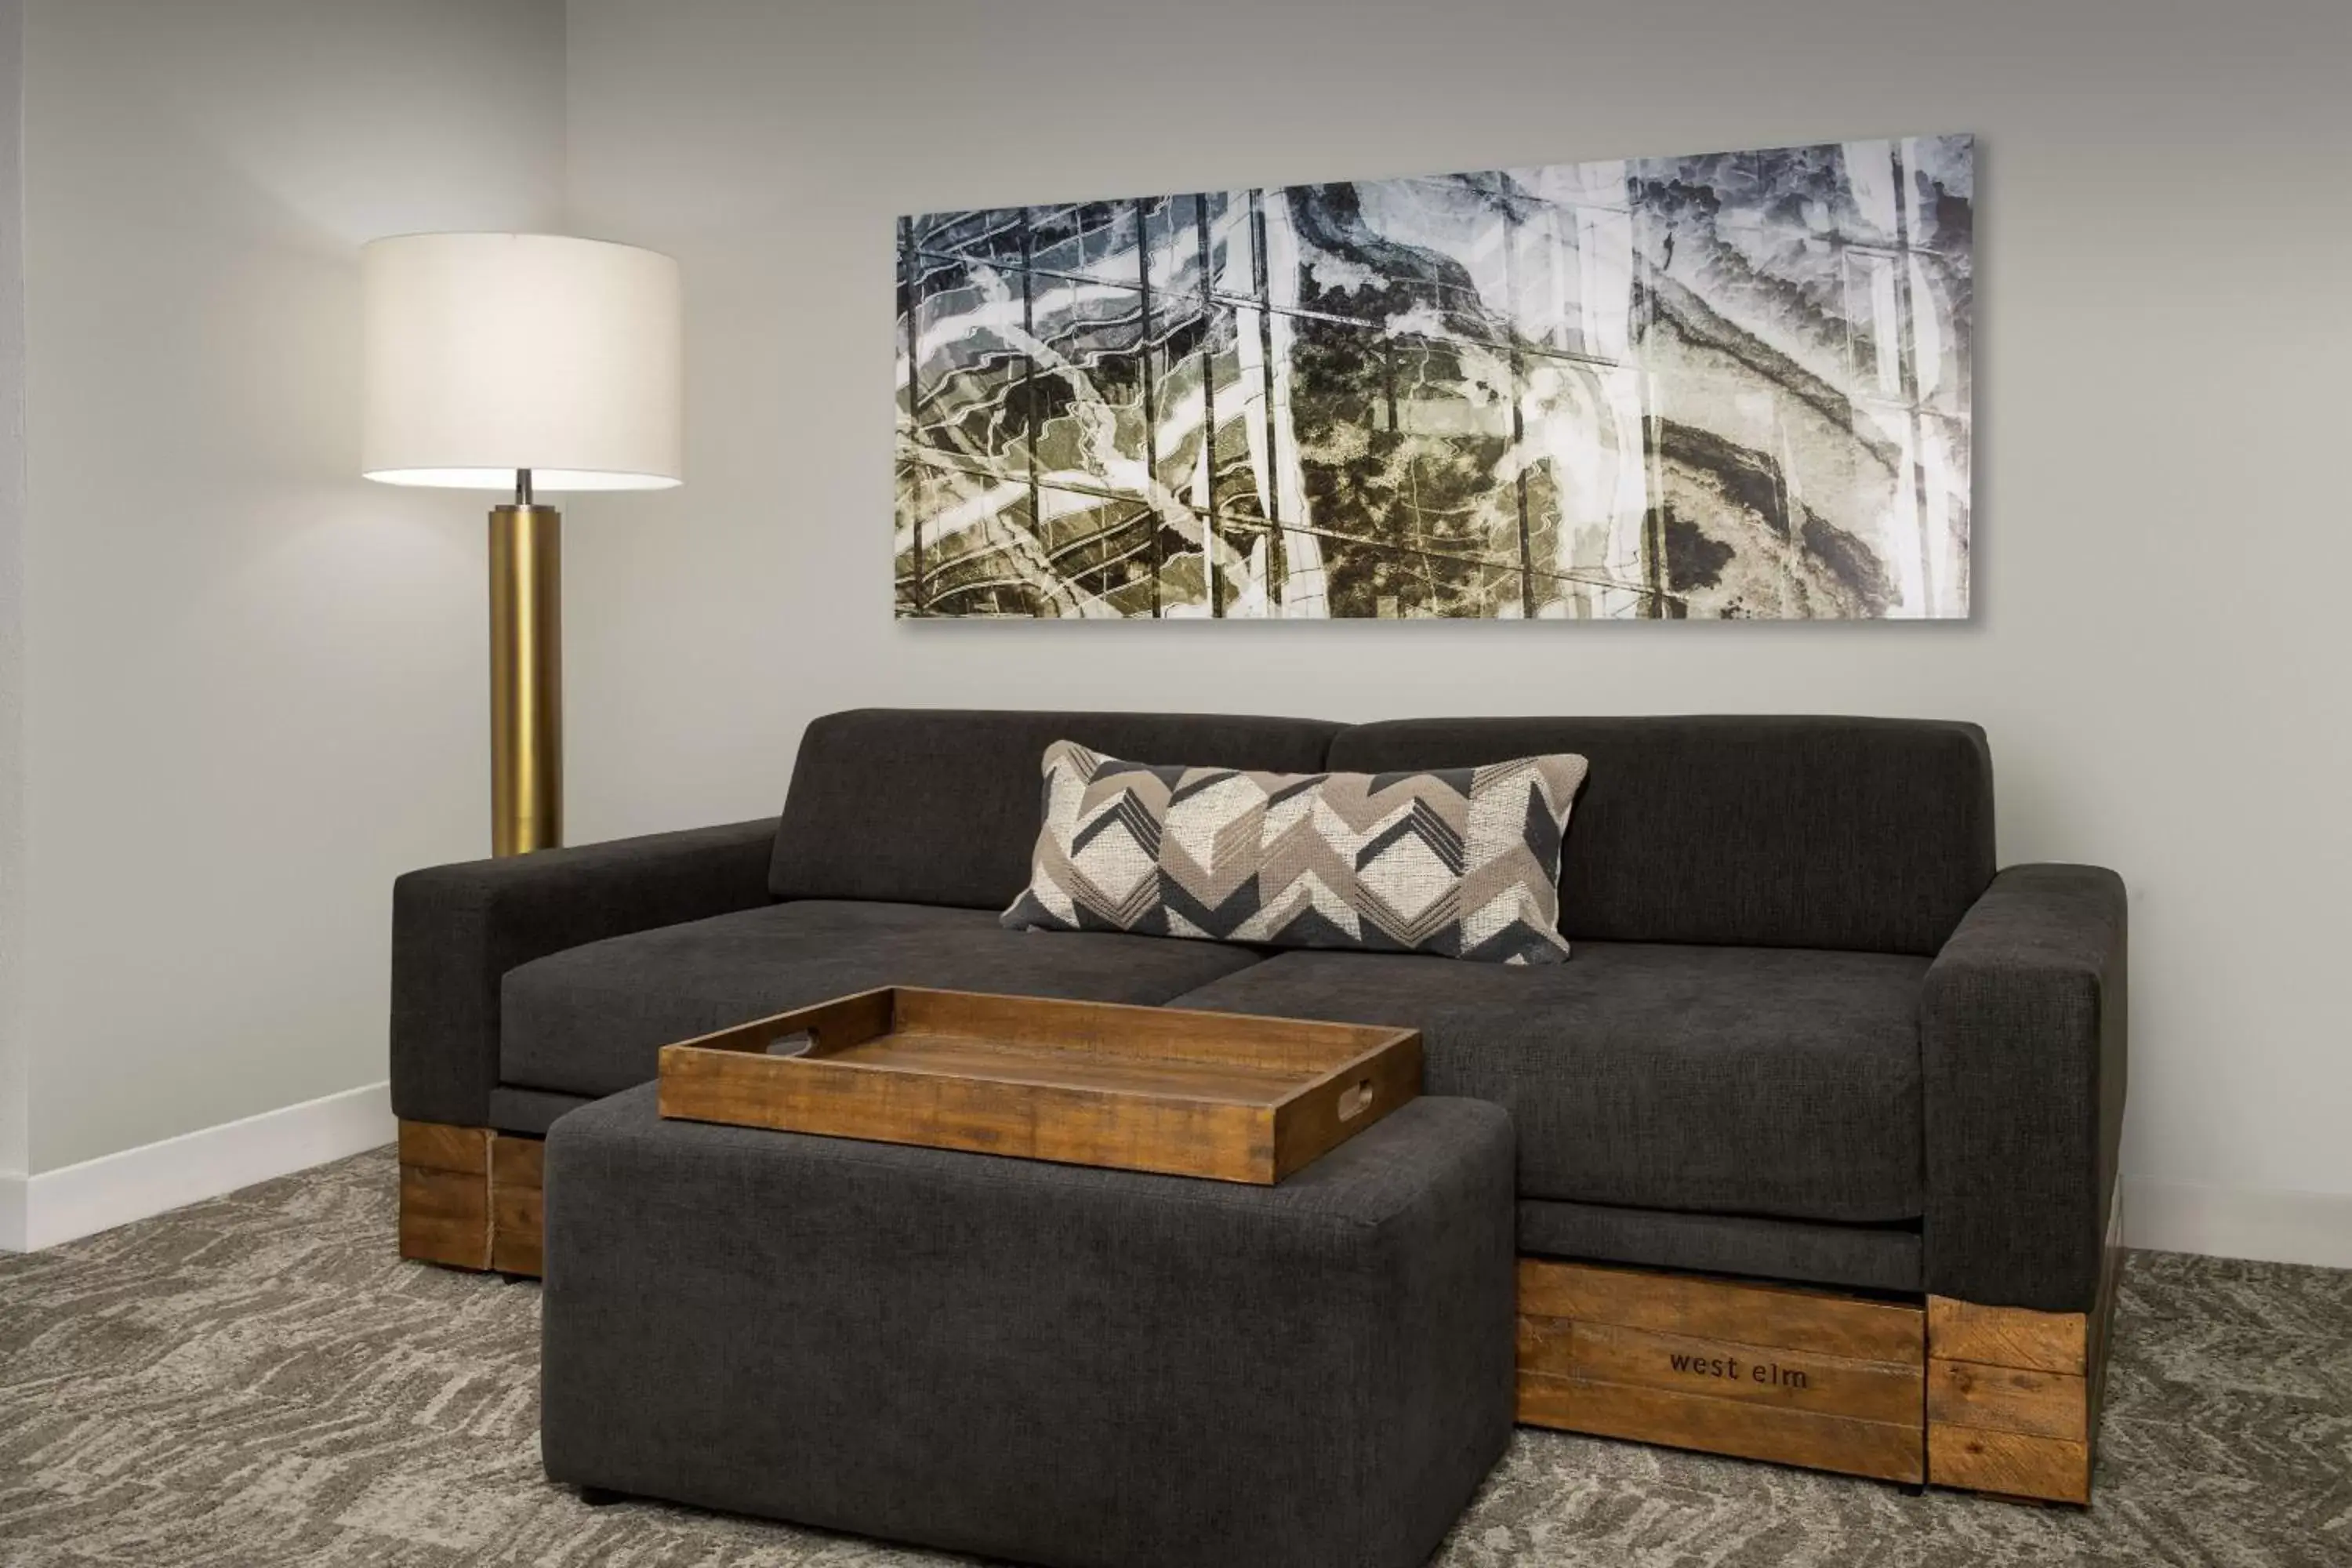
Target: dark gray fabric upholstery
{"x":1760,"y":1081}
{"x":1873,"y":835}
{"x":1857,"y":1256}
{"x":942,"y":805}
{"x":2024,"y":1022}
{"x":593,"y":1020}
{"x":531,"y":1110}
{"x":1749,"y":1026}
{"x":456,"y":929}
{"x":1040,"y":1362}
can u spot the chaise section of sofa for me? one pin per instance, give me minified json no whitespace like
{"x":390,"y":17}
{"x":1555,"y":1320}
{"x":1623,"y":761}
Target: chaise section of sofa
{"x":525,"y":987}
{"x":1807,"y":1034}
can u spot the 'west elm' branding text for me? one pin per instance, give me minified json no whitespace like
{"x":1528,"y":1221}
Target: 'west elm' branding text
{"x":1729,"y":1368}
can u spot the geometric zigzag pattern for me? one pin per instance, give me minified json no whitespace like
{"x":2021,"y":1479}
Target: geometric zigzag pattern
{"x":1460,"y":862}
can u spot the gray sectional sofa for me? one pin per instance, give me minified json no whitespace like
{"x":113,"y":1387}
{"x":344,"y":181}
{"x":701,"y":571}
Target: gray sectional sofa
{"x":1809,"y":1032}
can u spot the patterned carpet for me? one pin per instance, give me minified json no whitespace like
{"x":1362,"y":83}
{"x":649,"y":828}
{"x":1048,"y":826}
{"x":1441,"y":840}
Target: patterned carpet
{"x":256,"y":1380}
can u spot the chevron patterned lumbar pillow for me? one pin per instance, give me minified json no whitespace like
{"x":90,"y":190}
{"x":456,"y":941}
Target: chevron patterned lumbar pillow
{"x":1463,"y":862}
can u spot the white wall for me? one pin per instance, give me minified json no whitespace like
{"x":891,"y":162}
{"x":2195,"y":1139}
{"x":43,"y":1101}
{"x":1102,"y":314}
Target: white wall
{"x":14,"y":1121}
{"x":249,"y":687}
{"x":255,"y":683}
{"x":2165,"y":247}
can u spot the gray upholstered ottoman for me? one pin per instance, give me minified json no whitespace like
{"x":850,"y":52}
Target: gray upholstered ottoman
{"x":1043,"y":1363}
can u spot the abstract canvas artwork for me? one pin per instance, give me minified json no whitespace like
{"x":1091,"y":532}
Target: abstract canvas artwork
{"x":1729,"y":386}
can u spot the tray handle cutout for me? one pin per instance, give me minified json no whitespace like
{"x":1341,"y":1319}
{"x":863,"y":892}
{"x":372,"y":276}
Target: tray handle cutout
{"x":799,"y":1043}
{"x":1355,"y":1100}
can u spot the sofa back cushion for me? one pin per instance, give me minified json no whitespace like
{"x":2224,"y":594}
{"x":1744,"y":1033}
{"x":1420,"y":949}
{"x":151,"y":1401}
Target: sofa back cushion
{"x":942,"y":805}
{"x":1871,"y":834}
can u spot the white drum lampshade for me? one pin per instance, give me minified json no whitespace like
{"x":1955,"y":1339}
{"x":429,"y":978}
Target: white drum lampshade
{"x":489,"y":353}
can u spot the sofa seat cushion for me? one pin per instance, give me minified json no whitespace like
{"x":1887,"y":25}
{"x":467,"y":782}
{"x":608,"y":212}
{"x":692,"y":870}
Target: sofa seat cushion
{"x":1857,"y":1256}
{"x":591,"y":1020}
{"x":1780,"y":1081}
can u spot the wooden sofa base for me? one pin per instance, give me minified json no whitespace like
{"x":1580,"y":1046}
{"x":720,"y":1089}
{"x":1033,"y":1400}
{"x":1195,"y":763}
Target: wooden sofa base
{"x":469,"y":1197}
{"x":1989,"y":1399}
{"x":2013,"y":1396}
{"x":1797,"y":1376}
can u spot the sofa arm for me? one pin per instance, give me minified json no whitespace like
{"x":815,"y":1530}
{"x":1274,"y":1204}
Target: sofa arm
{"x":456,"y":929}
{"x":2023,"y":1028}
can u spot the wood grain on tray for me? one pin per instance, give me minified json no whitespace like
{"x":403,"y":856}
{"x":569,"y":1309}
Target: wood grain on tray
{"x":1221,"y":1095}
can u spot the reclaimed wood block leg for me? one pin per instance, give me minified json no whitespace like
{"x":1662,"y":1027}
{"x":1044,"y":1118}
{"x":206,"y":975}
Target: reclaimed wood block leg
{"x":2009,"y":1404}
{"x":516,"y":1215}
{"x":1803,"y":1377}
{"x":445,"y":1194}
{"x":2013,"y":1394}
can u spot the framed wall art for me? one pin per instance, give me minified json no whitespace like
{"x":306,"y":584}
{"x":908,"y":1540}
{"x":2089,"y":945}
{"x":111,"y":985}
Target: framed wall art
{"x":1735,"y":385}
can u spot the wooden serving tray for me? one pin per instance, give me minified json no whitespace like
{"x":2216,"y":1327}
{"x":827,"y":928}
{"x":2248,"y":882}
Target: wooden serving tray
{"x":1222,"y":1095}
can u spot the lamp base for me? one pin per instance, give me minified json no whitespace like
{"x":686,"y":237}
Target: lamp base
{"x":526,"y":679}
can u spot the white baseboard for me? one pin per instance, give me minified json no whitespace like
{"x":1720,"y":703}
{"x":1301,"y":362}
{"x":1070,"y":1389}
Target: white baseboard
{"x":12,"y":1211}
{"x":115,"y":1189}
{"x":2239,"y":1222}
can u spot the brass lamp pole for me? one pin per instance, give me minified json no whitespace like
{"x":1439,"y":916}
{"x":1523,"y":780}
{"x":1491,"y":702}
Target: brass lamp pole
{"x":526,"y":674}
{"x":449,"y":318}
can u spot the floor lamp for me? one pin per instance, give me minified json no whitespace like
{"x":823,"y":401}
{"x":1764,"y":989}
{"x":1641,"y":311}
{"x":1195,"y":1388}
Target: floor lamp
{"x":540,"y":364}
